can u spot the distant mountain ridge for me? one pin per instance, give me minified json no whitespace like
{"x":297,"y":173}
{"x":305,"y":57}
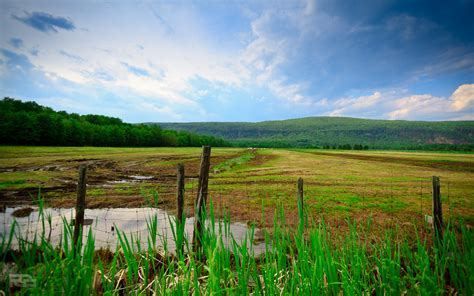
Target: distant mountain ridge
{"x":337,"y":131}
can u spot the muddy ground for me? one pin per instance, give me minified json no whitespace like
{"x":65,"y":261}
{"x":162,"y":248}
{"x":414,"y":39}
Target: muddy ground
{"x":147,"y":181}
{"x":384,"y":188}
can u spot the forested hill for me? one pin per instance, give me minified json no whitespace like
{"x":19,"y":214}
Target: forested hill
{"x":330,"y":132}
{"x":27,"y":123}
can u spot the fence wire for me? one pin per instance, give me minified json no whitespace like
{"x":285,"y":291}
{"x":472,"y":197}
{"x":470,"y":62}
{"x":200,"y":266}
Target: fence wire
{"x":392,"y":196}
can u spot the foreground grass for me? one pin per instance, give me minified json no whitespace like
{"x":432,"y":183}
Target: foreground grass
{"x":306,"y":260}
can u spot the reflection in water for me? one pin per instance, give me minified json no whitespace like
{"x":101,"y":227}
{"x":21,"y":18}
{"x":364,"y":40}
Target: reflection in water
{"x":104,"y":224}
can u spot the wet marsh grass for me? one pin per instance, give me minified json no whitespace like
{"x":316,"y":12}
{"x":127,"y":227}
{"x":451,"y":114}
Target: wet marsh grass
{"x":311,"y":258}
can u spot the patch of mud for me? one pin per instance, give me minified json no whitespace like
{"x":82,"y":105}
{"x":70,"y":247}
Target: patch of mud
{"x":97,"y":164}
{"x":50,"y":168}
{"x":81,"y":159}
{"x":92,"y":164}
{"x":260,"y":159}
{"x":45,"y":168}
{"x":22,"y":212}
{"x":28,"y":196}
{"x":121,"y":181}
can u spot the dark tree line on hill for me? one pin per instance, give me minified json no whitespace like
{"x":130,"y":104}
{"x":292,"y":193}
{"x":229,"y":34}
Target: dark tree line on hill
{"x":339,"y":132}
{"x":28,"y":123}
{"x":347,"y":147}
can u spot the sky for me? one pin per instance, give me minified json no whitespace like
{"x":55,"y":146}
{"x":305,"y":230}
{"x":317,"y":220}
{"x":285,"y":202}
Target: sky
{"x":184,"y":61}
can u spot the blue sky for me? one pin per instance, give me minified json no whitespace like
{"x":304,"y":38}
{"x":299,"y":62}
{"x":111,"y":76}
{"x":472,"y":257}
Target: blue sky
{"x":241,"y":60}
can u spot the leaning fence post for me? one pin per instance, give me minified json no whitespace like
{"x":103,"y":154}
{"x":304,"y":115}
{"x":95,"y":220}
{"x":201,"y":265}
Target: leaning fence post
{"x":201,"y":198}
{"x":80,"y":203}
{"x":437,"y":209}
{"x":300,"y":204}
{"x":180,"y":199}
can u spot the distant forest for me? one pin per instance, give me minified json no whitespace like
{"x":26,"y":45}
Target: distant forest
{"x":340,"y":133}
{"x":28,"y":123}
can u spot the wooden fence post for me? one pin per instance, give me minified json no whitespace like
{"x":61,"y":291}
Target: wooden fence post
{"x":179,"y":216}
{"x":80,"y":203}
{"x":199,"y":213}
{"x":180,"y":187}
{"x":437,"y":209}
{"x":300,"y":191}
{"x":300,"y":204}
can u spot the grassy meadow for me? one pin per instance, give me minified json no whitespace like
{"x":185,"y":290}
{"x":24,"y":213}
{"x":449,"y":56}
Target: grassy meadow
{"x":365,"y":230}
{"x":388,"y":186}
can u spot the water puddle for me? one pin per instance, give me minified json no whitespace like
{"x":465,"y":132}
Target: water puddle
{"x":131,"y":179}
{"x":136,"y":177}
{"x":123,"y":181}
{"x":105,"y":223}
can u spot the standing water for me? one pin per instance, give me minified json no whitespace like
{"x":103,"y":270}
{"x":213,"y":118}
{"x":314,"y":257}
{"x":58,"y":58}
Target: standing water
{"x":104,"y":224}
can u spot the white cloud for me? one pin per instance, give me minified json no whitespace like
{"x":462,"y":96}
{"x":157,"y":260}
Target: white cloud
{"x":415,"y":106}
{"x":350,"y":105}
{"x":463,"y":97}
{"x":277,"y":37}
{"x":264,"y":53}
{"x":159,"y":111}
{"x":172,"y":60}
{"x":467,"y":117}
{"x":290,"y":92}
{"x":397,"y":104}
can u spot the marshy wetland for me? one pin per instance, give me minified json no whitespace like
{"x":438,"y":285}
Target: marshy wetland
{"x":386,"y":185}
{"x":362,"y":228}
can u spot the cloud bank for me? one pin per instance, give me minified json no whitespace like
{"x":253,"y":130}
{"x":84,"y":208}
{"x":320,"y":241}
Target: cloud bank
{"x":151,"y":61}
{"x":394,"y":105}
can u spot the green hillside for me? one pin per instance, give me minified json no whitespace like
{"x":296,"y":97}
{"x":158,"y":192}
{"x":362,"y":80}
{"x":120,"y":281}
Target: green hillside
{"x":340,"y":131}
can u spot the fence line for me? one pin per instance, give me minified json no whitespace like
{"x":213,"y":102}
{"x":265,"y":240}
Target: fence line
{"x":396,"y":187}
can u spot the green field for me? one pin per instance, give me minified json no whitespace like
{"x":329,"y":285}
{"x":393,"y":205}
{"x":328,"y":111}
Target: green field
{"x":362,"y":229}
{"x":388,"y":186}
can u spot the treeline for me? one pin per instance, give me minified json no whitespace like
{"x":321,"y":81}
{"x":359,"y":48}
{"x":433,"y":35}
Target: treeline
{"x":347,"y":147}
{"x":28,"y":123}
{"x":283,"y":144}
{"x":320,"y":132}
{"x":307,"y":144}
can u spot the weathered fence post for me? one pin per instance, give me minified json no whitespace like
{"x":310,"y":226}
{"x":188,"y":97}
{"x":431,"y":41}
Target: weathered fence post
{"x":201,"y":198}
{"x":437,"y":209}
{"x":300,"y":191}
{"x":180,"y":187}
{"x":179,"y":216}
{"x":300,"y":204}
{"x":80,"y":203}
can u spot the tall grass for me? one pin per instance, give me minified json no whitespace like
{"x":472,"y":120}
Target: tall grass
{"x":307,"y":260}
